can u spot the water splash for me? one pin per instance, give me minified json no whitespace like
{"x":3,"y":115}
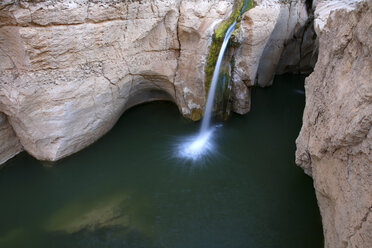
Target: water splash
{"x":195,"y":147}
{"x":201,"y":144}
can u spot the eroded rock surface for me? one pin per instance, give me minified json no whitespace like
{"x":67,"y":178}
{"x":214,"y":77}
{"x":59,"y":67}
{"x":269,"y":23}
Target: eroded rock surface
{"x":265,"y":31}
{"x":323,"y":9}
{"x":335,"y":142}
{"x":69,"y":69}
{"x":195,"y":29}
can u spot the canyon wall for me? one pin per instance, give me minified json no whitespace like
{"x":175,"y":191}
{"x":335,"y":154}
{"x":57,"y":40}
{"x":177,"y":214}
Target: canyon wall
{"x":68,"y":70}
{"x":335,"y":142}
{"x":265,"y":37}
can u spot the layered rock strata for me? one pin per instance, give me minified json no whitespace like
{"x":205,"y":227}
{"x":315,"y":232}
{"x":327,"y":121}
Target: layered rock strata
{"x":68,"y":70}
{"x":335,"y":142}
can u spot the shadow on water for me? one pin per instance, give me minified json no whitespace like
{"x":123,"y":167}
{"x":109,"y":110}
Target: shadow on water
{"x":129,"y":190}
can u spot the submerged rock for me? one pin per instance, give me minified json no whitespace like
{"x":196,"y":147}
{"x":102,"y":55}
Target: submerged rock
{"x":335,"y":142}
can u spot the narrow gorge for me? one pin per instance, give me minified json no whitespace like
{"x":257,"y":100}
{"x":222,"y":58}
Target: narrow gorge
{"x":74,"y":79}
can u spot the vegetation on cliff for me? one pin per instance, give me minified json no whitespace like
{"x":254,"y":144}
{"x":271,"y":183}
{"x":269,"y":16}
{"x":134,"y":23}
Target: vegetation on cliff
{"x":240,"y":6}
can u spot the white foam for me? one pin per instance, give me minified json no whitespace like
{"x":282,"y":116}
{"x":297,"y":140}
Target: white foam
{"x":196,"y":147}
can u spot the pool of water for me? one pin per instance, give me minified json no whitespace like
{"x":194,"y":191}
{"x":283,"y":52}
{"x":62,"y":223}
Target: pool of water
{"x":130,"y":189}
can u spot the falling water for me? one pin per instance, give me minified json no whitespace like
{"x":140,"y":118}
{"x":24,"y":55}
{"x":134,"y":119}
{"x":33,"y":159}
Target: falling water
{"x":208,"y":109}
{"x":201,"y":144}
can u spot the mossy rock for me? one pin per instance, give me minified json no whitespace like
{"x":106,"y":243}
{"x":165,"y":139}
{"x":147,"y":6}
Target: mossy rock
{"x":222,"y":94}
{"x":196,"y":114}
{"x":219,"y":35}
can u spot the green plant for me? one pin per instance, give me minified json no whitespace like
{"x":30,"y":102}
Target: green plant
{"x":219,"y":35}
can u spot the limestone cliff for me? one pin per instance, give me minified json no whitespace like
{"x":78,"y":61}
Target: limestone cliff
{"x":335,"y":142}
{"x":265,"y":32}
{"x":69,"y":69}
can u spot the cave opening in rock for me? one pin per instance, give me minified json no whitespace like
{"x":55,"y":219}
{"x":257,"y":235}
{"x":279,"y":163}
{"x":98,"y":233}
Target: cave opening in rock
{"x":147,"y":95}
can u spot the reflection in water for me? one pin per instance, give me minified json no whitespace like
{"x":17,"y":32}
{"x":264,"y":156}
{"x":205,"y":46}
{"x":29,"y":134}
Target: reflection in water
{"x":130,"y":190}
{"x":79,"y":215}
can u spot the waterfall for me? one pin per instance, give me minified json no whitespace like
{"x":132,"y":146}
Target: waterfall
{"x":208,"y":108}
{"x":201,"y":144}
{"x":212,"y":90}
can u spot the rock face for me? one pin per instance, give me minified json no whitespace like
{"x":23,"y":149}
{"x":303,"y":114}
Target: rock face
{"x":270,"y":43}
{"x":10,"y":145}
{"x":195,"y":28}
{"x":68,"y":70}
{"x":335,"y":142}
{"x":291,"y":17}
{"x":255,"y":29}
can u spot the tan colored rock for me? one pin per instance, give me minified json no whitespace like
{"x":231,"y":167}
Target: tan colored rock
{"x":263,"y":34}
{"x":68,"y":70}
{"x":9,"y":143}
{"x":255,"y":30}
{"x":292,"y":16}
{"x":71,"y":69}
{"x":195,"y":29}
{"x":323,"y":9}
{"x":335,"y":142}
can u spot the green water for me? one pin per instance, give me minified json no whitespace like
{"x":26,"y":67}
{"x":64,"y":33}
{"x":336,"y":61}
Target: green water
{"x":129,"y":190}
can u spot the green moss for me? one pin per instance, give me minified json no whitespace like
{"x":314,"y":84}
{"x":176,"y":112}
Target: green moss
{"x":218,"y":37}
{"x":196,"y":114}
{"x":221,"y":30}
{"x":250,"y":5}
